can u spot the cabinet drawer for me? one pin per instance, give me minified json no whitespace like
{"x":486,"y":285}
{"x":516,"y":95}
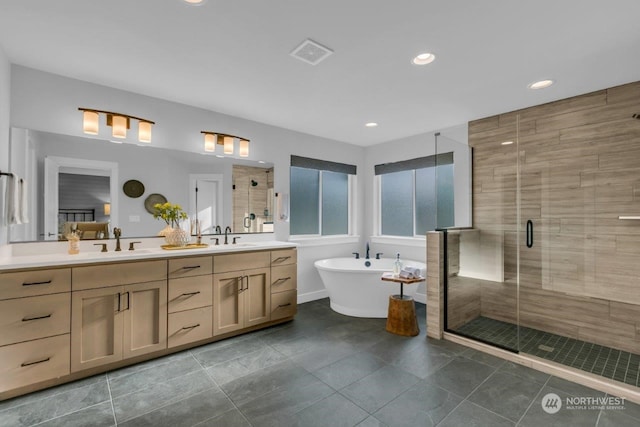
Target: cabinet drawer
{"x":100,"y":276}
{"x":283,"y":304}
{"x":192,"y":266}
{"x":33,"y":361}
{"x":190,"y":326}
{"x":36,"y":282}
{"x":26,"y":319}
{"x":243,"y":261}
{"x":284,"y":278}
{"x":284,"y":256}
{"x":190,"y":292}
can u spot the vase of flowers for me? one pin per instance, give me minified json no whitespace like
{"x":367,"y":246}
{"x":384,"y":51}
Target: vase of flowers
{"x":172,"y":214}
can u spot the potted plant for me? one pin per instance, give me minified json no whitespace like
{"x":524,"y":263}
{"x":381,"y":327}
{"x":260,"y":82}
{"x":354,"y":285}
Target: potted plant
{"x":172,"y":214}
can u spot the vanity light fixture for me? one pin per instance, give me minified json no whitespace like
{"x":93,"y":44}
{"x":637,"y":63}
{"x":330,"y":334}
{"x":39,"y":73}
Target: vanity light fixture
{"x":119,"y":123}
{"x":107,"y":209}
{"x":211,"y":139}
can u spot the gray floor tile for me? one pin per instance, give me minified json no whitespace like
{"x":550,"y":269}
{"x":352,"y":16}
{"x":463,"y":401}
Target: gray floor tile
{"x":449,"y":345}
{"x":423,"y":405}
{"x":506,"y":395}
{"x":612,"y":418}
{"x":376,"y":390}
{"x":56,"y":405}
{"x":315,"y":359}
{"x":631,"y":409}
{"x":232,"y":418}
{"x":536,"y":416}
{"x":334,"y":411}
{"x":349,"y":369}
{"x":573,"y":389}
{"x":422,"y":360}
{"x":95,"y":416}
{"x":186,"y":412}
{"x":461,"y":376}
{"x":228,"y":352}
{"x":279,"y":407}
{"x":249,"y":387}
{"x":372,"y":422}
{"x":524,"y":372}
{"x":149,"y":364}
{"x":247,"y":364}
{"x":139,"y":380}
{"x":160,"y":394}
{"x":46,"y":393}
{"x":470,"y":415}
{"x":482,"y":357}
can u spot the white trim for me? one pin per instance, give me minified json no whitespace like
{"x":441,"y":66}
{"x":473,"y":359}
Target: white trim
{"x":417,"y":242}
{"x":218,"y":178}
{"x":307,"y":240}
{"x":312,"y":296}
{"x":421,"y":298}
{"x":52,"y":166}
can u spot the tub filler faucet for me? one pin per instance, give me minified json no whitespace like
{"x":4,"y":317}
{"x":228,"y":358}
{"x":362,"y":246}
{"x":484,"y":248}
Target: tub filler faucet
{"x":367,"y":253}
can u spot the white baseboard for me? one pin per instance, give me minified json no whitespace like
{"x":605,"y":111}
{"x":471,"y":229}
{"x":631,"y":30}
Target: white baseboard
{"x":421,"y":298}
{"x":312,"y":296}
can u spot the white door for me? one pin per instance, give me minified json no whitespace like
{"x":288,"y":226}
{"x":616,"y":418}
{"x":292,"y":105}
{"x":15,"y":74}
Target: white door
{"x":208,"y":201}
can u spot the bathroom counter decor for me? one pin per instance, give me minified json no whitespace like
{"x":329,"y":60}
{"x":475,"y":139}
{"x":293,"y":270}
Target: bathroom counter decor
{"x":401,"y":317}
{"x":189,"y":246}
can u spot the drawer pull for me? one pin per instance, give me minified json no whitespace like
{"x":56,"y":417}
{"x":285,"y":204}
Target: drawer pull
{"x":188,"y":294}
{"x":284,"y":305}
{"x":35,"y":363}
{"x":190,"y":267}
{"x":191,"y":327}
{"x":37,"y":283}
{"x":282,"y":279}
{"x":281,"y":259}
{"x":26,"y":319}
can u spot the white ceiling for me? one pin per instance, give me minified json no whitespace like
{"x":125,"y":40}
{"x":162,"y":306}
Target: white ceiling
{"x":233,"y":56}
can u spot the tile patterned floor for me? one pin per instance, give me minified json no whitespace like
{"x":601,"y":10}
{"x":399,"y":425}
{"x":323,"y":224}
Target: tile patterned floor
{"x":322,"y":369}
{"x":608,"y":362}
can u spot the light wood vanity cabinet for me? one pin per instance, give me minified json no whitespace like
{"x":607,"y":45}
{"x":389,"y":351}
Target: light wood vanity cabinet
{"x":190,"y":300}
{"x":241,"y":291}
{"x":284,"y":283}
{"x":113,"y":318}
{"x":60,"y":324}
{"x":34,"y":326}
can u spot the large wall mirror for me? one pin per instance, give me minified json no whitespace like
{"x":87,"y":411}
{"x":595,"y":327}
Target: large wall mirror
{"x":92,"y":185}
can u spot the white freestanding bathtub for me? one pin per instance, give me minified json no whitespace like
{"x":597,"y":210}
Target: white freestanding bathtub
{"x":355,"y":289}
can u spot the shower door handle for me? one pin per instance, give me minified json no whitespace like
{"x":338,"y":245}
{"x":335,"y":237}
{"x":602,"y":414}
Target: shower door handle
{"x":529,"y":233}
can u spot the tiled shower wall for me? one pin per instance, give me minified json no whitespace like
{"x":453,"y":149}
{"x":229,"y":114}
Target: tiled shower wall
{"x":579,"y":170}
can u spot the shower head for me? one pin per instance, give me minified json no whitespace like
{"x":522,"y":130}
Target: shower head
{"x":254,"y":183}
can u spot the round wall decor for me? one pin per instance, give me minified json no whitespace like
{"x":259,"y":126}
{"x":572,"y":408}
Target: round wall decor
{"x":133,"y":188}
{"x":151,"y":200}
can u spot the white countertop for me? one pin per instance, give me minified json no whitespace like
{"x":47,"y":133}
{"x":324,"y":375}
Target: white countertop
{"x":93,"y":255}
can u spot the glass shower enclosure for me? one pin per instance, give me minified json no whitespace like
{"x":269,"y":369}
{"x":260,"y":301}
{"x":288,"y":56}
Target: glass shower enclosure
{"x":550,"y":267}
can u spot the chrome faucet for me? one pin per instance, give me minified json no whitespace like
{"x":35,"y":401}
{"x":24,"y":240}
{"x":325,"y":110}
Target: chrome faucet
{"x":218,"y":229}
{"x":227,"y":229}
{"x":367,"y":254}
{"x":117,"y":232}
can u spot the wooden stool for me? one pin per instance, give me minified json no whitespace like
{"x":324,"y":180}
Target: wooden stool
{"x":401,"y":317}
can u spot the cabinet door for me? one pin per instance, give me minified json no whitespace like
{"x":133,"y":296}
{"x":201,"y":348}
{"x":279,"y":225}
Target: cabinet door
{"x":257,"y":296}
{"x":96,"y":327}
{"x":228,"y":310}
{"x":145,"y":318}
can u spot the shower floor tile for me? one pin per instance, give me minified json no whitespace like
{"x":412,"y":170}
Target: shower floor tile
{"x":597,"y":359}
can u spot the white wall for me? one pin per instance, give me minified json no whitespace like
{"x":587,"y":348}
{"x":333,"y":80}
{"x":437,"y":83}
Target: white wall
{"x":48,"y":102}
{"x":5,"y":97}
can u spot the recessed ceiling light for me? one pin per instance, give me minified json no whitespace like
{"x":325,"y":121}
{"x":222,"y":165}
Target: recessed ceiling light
{"x":424,"y":59}
{"x":371,"y":124}
{"x":540,"y":84}
{"x":506,"y":143}
{"x":194,"y":2}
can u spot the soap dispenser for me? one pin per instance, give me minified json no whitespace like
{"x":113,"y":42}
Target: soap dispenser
{"x":397,"y":266}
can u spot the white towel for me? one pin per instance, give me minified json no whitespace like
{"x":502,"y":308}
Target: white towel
{"x":24,"y":196}
{"x":13,"y":199}
{"x":410,"y":272}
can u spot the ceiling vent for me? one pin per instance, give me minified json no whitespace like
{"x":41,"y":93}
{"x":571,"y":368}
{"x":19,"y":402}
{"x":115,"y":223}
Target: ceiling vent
{"x":311,"y":52}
